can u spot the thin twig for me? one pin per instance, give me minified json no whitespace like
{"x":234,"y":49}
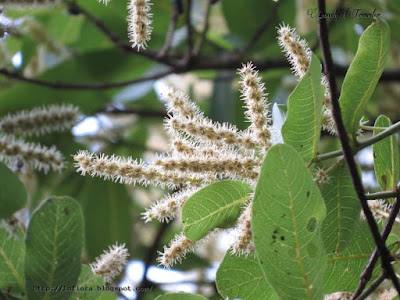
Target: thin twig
{"x":367,"y":272}
{"x":392,"y":129}
{"x":374,"y":285}
{"x":83,"y":86}
{"x":381,"y":195}
{"x":384,"y":253}
{"x":189,"y":38}
{"x":171,"y":30}
{"x":150,"y":256}
{"x":206,"y":23}
{"x":260,"y":30}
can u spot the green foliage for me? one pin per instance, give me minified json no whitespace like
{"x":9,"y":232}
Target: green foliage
{"x":217,"y":205}
{"x":364,"y":73}
{"x":343,"y":210}
{"x":12,"y":192}
{"x":89,"y":281}
{"x":12,"y":252}
{"x":54,"y":241}
{"x":180,"y":296}
{"x":302,"y":128}
{"x":386,"y":157}
{"x":343,"y":270}
{"x":288,"y":211}
{"x":110,"y":203}
{"x":241,"y":277}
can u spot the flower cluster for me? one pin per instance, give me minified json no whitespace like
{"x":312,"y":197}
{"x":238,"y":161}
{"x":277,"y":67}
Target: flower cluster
{"x":41,"y":120}
{"x":299,"y":56}
{"x":111,"y":263}
{"x":18,"y":153}
{"x":202,"y":151}
{"x":139,"y":21}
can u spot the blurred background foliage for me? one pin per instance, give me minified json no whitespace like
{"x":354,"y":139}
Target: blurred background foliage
{"x":128,"y":120}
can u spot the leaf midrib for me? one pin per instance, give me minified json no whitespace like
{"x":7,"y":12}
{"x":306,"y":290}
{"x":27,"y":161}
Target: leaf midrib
{"x":13,"y":269}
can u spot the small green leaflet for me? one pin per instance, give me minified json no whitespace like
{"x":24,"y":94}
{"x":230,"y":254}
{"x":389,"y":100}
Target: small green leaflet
{"x":302,"y":128}
{"x":241,"y":277}
{"x":218,"y":205}
{"x":343,"y":210}
{"x":364,"y":73}
{"x":288,"y":211}
{"x":54,"y":241}
{"x":12,"y":251}
{"x":386,"y":157}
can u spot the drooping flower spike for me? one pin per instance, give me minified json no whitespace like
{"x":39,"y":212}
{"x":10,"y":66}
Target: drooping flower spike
{"x":139,"y":21}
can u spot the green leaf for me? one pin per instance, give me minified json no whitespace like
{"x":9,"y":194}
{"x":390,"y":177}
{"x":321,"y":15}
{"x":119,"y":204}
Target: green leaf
{"x":180,"y":296}
{"x":108,"y":219}
{"x":12,"y":192}
{"x":386,"y":157}
{"x":12,"y":250}
{"x":302,"y":128}
{"x":89,"y":282}
{"x":343,"y":271}
{"x":241,"y":277}
{"x":288,"y":211}
{"x":343,"y":210}
{"x":53,"y":243}
{"x":364,"y":73}
{"x":217,"y":205}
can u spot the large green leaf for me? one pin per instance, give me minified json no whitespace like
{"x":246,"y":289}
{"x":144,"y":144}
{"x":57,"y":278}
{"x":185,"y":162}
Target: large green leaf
{"x":241,"y":277}
{"x":88,"y":282}
{"x":364,"y":73}
{"x":386,"y":157}
{"x":343,"y":271}
{"x":180,"y":296}
{"x":12,"y":192}
{"x":12,"y":250}
{"x":343,"y":210}
{"x":302,"y":128}
{"x":108,"y":218}
{"x":217,"y":205}
{"x":288,"y":211}
{"x":54,"y":241}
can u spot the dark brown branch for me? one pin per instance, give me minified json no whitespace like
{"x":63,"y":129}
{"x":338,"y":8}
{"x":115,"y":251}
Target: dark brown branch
{"x":82,"y":86}
{"x":189,"y":38}
{"x":203,"y":33}
{"x":257,"y":35}
{"x":367,"y":272}
{"x":384,"y":253}
{"x":171,"y":30}
{"x":150,"y":256}
{"x":377,"y":282}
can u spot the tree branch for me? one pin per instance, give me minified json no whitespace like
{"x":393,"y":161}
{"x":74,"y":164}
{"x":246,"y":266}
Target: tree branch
{"x":171,"y":30}
{"x":377,"y":282}
{"x":384,"y":253}
{"x":203,"y":33}
{"x":367,"y":273}
{"x":189,"y":38}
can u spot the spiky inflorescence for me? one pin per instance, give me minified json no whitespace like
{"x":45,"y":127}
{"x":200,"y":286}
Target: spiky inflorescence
{"x":139,"y":21}
{"x":104,"y":1}
{"x":380,"y":210}
{"x":40,"y":120}
{"x":254,"y":96}
{"x":243,"y":242}
{"x":177,"y":250}
{"x":202,"y":151}
{"x":299,"y":56}
{"x":111,"y":263}
{"x":15,"y":151}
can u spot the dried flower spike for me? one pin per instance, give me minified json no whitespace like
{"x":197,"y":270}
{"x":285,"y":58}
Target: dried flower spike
{"x":111,"y":263}
{"x":40,"y":120}
{"x":243,"y":244}
{"x":139,"y":20}
{"x":38,"y":157}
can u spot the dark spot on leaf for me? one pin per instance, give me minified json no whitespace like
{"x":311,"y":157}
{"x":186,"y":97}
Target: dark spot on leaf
{"x":288,"y":273}
{"x":276,"y":231}
{"x":66,"y":211}
{"x":312,"y":250}
{"x":311,"y":224}
{"x":282,"y":238}
{"x":308,"y":194}
{"x":301,"y":146}
{"x":284,"y":215}
{"x":276,"y":251}
{"x":274,"y":237}
{"x":261,"y":262}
